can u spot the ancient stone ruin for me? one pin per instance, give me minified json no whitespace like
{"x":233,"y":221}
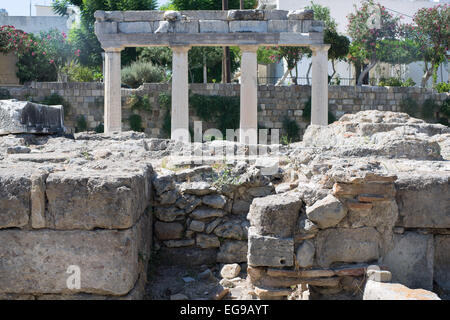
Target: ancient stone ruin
{"x":356,"y":205}
{"x":247,"y":29}
{"x":360,"y":209}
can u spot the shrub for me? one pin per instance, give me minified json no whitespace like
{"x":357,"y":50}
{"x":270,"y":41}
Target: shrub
{"x":165,"y":102}
{"x":100,"y":128}
{"x":396,"y":82}
{"x":291,"y":129}
{"x":409,"y":106}
{"x":55,"y":99}
{"x":135,"y":122}
{"x":443,"y":87}
{"x":222,"y":111}
{"x":429,"y":109}
{"x":140,"y":72}
{"x":137,"y":102}
{"x":79,"y":73}
{"x":4,"y":94}
{"x":81,"y":124}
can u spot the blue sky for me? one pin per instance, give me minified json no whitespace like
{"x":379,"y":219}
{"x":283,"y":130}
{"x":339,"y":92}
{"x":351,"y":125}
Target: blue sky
{"x":22,"y":7}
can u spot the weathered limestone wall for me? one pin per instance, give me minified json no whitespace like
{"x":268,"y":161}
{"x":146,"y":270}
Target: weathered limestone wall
{"x":8,"y":69}
{"x":51,"y":219}
{"x":274,"y":103}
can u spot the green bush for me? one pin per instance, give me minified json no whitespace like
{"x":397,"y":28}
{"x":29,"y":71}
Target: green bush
{"x":165,"y":102}
{"x":100,"y":128}
{"x":443,"y":87}
{"x":4,"y":94}
{"x":135,"y":122}
{"x":429,"y":110}
{"x":396,"y":82}
{"x":79,"y":73}
{"x":292,"y":131}
{"x":409,"y":106}
{"x":137,"y":102}
{"x":81,"y":124}
{"x":222,"y":111}
{"x":138,"y":73}
{"x":55,"y":99}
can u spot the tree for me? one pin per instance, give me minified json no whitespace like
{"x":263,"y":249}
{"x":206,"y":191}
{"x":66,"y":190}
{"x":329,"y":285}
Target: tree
{"x":83,"y":36}
{"x":369,"y":27}
{"x":431,"y":32}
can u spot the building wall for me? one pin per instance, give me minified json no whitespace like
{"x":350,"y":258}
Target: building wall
{"x":8,"y":69}
{"x":35,"y":24}
{"x":274,"y":102}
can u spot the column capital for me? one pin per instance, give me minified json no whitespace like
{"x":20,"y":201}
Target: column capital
{"x":180,"y":49}
{"x":112,"y":49}
{"x":249,"y":48}
{"x":320,"y":47}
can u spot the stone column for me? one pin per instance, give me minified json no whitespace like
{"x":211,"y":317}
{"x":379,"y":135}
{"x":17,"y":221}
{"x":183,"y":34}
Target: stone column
{"x":180,"y":94}
{"x":248,"y":132}
{"x":112,"y":81}
{"x":319,"y":89}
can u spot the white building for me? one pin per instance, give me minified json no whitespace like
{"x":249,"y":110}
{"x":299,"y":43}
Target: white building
{"x":339,"y":11}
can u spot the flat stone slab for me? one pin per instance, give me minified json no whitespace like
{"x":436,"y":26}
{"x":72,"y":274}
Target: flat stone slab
{"x":29,"y":117}
{"x":442,"y":261}
{"x":411,"y":260}
{"x":88,"y":199}
{"x":395,"y":291}
{"x":37,"y":261}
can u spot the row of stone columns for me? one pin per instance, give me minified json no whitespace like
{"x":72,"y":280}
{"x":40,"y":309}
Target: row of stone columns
{"x":249,"y":92}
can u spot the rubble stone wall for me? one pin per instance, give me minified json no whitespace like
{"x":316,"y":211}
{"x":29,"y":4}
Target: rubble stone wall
{"x":274,"y":103}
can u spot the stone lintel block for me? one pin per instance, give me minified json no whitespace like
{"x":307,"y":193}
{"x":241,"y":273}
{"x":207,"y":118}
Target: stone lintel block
{"x":143,"y":15}
{"x":302,"y":14}
{"x":136,"y":27}
{"x":269,"y":251}
{"x":88,"y":200}
{"x":296,"y":26}
{"x":275,"y":14}
{"x":106,"y":27}
{"x":183,"y":26}
{"x":205,"y":14}
{"x":245,"y":15}
{"x":248,"y":26}
{"x":36,"y":262}
{"x":213,"y":26}
{"x":316,"y":26}
{"x":15,"y":196}
{"x":276,"y":26}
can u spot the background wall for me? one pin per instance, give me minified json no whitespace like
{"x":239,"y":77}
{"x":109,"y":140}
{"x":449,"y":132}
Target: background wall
{"x":274,"y":102}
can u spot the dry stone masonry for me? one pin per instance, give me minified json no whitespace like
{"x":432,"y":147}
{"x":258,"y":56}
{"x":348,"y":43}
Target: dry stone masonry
{"x":368,"y":190}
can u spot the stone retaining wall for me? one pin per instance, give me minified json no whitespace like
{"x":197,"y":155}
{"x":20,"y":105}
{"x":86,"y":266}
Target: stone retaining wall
{"x":274,"y":103}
